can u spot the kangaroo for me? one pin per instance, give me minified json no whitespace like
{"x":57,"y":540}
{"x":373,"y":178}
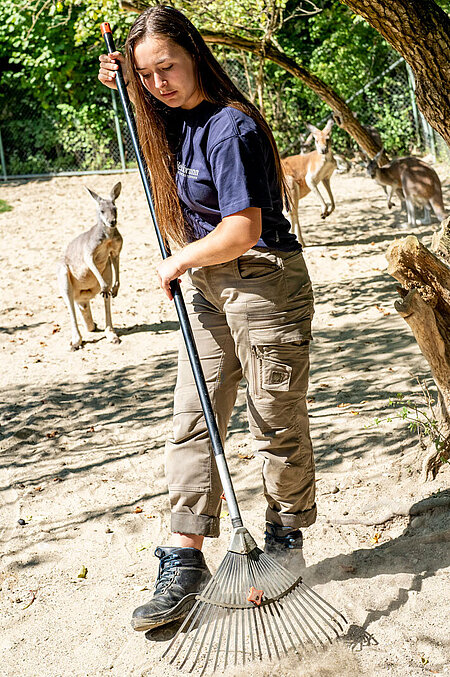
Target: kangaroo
{"x":413,"y":181}
{"x":88,"y":265}
{"x":305,"y":171}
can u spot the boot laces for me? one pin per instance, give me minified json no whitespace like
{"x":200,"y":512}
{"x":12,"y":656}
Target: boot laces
{"x":167,"y":566}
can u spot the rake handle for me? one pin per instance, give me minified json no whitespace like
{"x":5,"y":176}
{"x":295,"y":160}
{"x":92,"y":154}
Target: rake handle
{"x":180,"y":306}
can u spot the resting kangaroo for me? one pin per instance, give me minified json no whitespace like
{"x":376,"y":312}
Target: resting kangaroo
{"x":413,"y":181}
{"x":88,"y":265}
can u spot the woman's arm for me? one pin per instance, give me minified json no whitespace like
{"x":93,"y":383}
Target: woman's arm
{"x":234,"y":235}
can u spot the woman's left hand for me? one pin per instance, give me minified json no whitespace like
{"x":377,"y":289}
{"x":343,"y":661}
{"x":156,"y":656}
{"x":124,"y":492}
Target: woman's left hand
{"x":170,"y":269}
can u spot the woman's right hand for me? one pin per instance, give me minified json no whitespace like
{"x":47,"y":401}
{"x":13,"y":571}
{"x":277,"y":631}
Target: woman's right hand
{"x":108,"y":69}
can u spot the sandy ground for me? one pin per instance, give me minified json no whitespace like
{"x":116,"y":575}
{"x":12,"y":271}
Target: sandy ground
{"x":83,"y":443}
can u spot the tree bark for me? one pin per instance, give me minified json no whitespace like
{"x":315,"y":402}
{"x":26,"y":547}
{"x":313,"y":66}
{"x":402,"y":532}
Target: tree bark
{"x":425,"y":306}
{"x":420,"y":31}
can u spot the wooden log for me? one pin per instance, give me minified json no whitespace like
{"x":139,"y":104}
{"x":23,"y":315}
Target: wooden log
{"x":425,"y":306}
{"x":440,"y":243}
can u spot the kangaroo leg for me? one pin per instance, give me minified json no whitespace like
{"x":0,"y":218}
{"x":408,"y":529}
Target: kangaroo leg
{"x":85,"y":310}
{"x":426,"y":215}
{"x":66,"y":290}
{"x":326,"y":183}
{"x":295,"y":222}
{"x":389,"y":193}
{"x":438,"y":208}
{"x":314,"y":189}
{"x":411,"y":212}
{"x":109,"y":329}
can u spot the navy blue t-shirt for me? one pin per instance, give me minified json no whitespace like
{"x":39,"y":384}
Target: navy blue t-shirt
{"x":226,"y":164}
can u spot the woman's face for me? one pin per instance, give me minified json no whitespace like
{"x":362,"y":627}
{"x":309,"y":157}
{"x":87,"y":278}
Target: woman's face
{"x":168,"y":72}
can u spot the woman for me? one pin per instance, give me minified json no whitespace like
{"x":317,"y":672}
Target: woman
{"x":218,"y":187}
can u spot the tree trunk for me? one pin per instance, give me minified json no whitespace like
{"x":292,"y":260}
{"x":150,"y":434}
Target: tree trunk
{"x":420,"y":31}
{"x":425,"y":306}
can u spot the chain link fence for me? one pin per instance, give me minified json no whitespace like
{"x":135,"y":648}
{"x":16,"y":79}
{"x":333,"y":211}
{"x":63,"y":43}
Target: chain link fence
{"x":36,"y":142}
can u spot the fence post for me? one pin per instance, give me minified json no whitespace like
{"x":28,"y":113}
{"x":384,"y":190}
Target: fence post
{"x":2,"y":158}
{"x":118,"y":132}
{"x":412,"y":90}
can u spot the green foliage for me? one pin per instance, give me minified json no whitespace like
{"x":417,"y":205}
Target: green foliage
{"x":417,"y":415}
{"x":55,"y":115}
{"x":4,"y":206}
{"x":49,"y":58}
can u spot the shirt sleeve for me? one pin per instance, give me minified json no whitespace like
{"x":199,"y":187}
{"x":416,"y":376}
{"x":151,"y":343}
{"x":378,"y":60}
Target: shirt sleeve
{"x":240,"y":173}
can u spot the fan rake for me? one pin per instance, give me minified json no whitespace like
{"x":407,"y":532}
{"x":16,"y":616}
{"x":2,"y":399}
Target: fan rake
{"x":252,"y":609}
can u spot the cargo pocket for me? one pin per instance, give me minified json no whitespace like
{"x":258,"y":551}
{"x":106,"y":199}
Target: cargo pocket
{"x":270,"y":374}
{"x":279,"y":356}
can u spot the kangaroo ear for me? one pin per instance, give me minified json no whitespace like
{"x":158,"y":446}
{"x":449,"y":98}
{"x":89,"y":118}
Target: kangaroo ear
{"x":329,"y":125}
{"x":311,"y":127}
{"x":116,"y":191}
{"x":93,"y":195}
{"x":378,"y":155}
{"x":308,"y":140}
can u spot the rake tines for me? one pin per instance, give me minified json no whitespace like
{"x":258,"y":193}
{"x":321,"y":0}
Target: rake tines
{"x":226,"y":628}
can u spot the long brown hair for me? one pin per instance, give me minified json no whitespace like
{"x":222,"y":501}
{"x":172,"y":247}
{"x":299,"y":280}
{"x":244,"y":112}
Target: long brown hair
{"x":159,"y":126}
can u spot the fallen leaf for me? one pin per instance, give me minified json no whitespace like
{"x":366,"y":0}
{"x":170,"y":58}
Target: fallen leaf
{"x":150,"y":517}
{"x":56,"y":329}
{"x":311,"y":399}
{"x":247,"y":455}
{"x":38,"y":488}
{"x":145,"y":546}
{"x":83,"y":572}
{"x":344,"y":404}
{"x":138,"y":509}
{"x":376,"y":537}
{"x":223,"y":496}
{"x":224,"y":513}
{"x":363,"y":402}
{"x":355,"y":413}
{"x":33,"y":597}
{"x":52,"y":434}
{"x":324,"y":385}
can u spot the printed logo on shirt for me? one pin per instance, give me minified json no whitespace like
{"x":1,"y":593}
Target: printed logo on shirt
{"x":186,"y":171}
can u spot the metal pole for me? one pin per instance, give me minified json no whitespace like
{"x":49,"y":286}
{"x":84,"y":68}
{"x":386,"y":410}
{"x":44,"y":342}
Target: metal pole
{"x":118,"y":132}
{"x":432,"y":141}
{"x":412,"y":89}
{"x":2,"y":159}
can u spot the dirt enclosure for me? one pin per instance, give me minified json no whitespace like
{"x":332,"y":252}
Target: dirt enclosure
{"x":83,"y":444}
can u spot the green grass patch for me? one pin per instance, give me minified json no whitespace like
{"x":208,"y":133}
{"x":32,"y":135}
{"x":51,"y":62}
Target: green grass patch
{"x":4,"y":206}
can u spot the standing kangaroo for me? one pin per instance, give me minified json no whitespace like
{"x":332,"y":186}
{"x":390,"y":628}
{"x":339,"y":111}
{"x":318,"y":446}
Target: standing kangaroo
{"x":413,"y":181}
{"x":304,"y":172}
{"x":88,"y":265}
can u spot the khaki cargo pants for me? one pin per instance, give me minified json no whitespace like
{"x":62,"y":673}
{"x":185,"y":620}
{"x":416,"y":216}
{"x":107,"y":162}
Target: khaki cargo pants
{"x":250,"y":317}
